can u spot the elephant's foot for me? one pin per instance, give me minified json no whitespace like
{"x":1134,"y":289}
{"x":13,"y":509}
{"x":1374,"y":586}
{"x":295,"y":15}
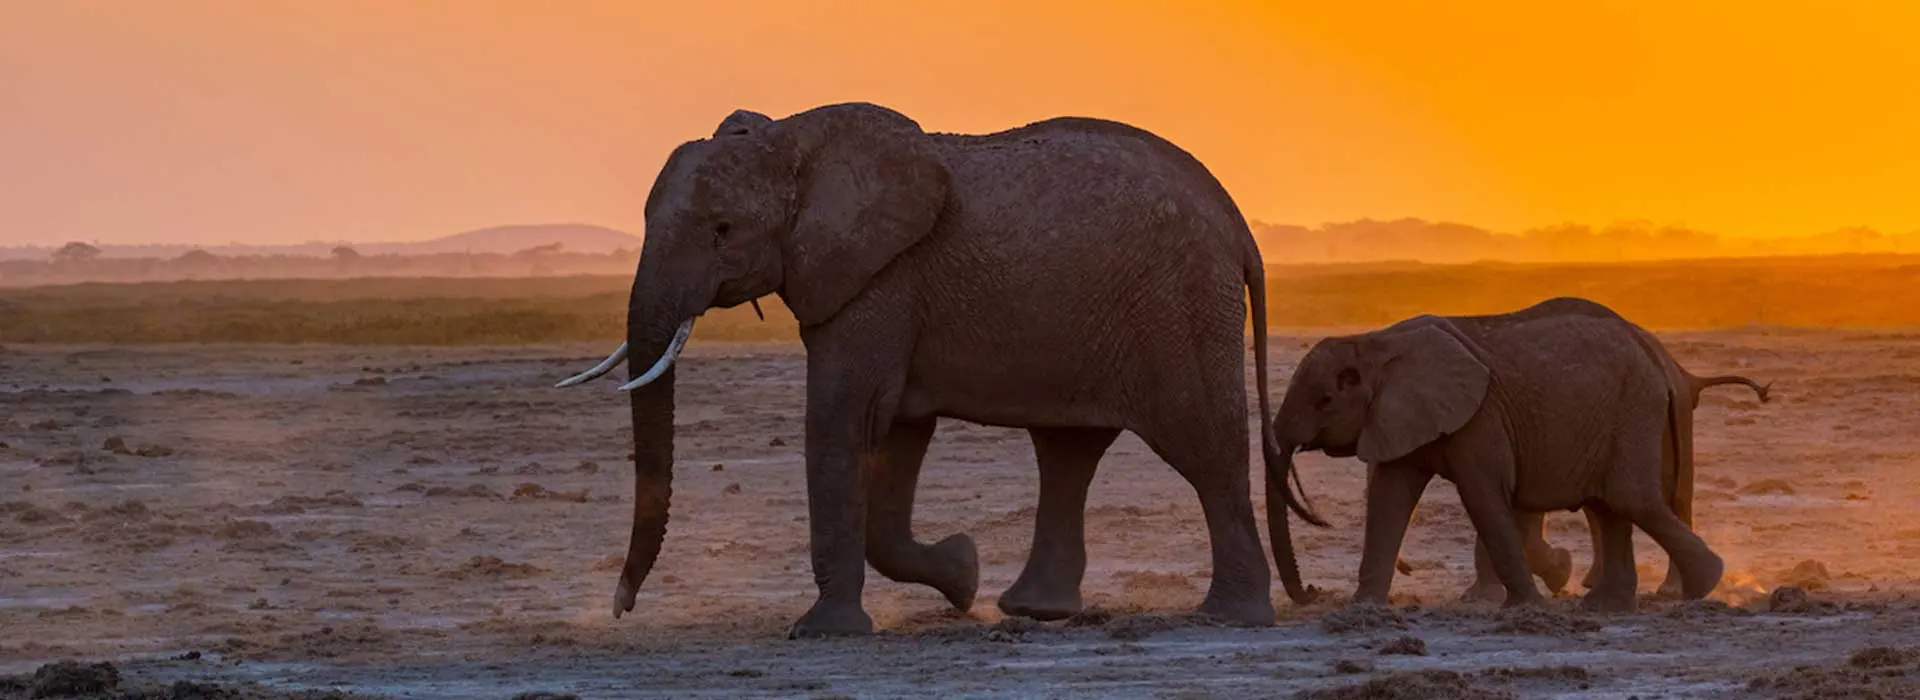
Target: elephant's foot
{"x":1615,"y":601}
{"x":1558,"y":569}
{"x":1246,"y":612}
{"x":1528,"y":598}
{"x":960,"y":562}
{"x":1484,"y":592}
{"x":1028,"y":605}
{"x":1699,"y":575}
{"x":1034,"y":597}
{"x":951,"y":566}
{"x":831,"y":620}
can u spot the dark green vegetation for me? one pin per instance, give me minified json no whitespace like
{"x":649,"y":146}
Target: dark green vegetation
{"x":1836,"y":291}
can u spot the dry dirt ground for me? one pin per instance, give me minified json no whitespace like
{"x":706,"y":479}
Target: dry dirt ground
{"x":439,"y":523}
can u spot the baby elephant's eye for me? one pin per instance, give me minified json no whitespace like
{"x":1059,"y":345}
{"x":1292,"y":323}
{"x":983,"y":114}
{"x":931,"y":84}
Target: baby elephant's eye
{"x":1323,"y":402}
{"x":720,"y":231}
{"x":1348,"y":377}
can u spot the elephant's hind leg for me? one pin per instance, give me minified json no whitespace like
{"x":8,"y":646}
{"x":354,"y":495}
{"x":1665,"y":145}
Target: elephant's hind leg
{"x":951,"y":565}
{"x":1214,"y":461}
{"x":1641,"y":501}
{"x":1615,"y":582}
{"x":1049,"y":585}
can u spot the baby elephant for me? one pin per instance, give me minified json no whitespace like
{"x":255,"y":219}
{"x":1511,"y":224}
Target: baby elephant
{"x":1554,"y":564}
{"x":1563,"y":405}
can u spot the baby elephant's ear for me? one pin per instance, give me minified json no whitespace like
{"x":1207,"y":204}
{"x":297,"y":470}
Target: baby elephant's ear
{"x":741,"y":122}
{"x":1426,"y":385}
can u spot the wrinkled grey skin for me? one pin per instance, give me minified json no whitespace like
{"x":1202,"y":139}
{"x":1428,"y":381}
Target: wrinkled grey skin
{"x":1075,"y":277}
{"x":1559,"y":406}
{"x":1554,"y":565}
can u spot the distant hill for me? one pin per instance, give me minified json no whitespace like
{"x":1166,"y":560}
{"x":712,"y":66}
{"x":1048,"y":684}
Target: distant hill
{"x":573,"y":238}
{"x":1369,"y":240}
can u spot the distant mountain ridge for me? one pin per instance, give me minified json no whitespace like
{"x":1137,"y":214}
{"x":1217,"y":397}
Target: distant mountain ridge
{"x":1365,"y":240}
{"x":572,"y":237}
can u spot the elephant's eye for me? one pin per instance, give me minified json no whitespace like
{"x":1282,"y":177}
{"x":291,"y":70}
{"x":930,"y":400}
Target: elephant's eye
{"x":1323,"y":402}
{"x":720,"y":232}
{"x":1348,"y":377}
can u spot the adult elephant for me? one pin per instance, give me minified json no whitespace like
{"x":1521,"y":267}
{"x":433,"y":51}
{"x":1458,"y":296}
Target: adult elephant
{"x":1561,"y":405}
{"x":1075,"y":277}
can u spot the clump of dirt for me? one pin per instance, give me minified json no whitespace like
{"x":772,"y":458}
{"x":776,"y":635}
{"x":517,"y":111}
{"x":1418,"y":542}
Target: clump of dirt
{"x":1767,"y":487}
{"x":1362,"y":618}
{"x":1874,"y":673}
{"x":124,"y":511}
{"x":29,"y":514}
{"x":1531,"y":620}
{"x":1538,"y":680}
{"x":363,"y":541}
{"x":534,"y":492}
{"x":1350,"y":666}
{"x":243,"y":529}
{"x":1883,"y":657}
{"x":469,"y":491}
{"x":295,"y":505}
{"x":492,"y":567}
{"x":1703,"y":609}
{"x":1431,"y":684}
{"x":1564,"y":674}
{"x":1009,"y":630}
{"x":1808,"y":574}
{"x":1795,"y":600}
{"x":1404,"y":645}
{"x":64,"y":679}
{"x":1101,"y":616}
{"x":1137,"y":627}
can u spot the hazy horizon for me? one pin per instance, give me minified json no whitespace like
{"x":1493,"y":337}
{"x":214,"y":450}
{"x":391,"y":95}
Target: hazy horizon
{"x":207,"y":122}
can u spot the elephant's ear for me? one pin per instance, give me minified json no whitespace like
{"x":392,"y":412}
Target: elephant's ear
{"x":1426,"y":385}
{"x":870,"y":186}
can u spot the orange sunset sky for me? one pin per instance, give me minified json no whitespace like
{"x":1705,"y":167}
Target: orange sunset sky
{"x":273,"y":121}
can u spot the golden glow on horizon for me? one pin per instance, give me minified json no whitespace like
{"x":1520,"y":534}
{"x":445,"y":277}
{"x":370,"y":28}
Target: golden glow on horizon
{"x":209,"y":121}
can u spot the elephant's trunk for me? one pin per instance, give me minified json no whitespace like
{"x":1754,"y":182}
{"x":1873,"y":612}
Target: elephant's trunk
{"x":1279,"y":461}
{"x":656,"y":329}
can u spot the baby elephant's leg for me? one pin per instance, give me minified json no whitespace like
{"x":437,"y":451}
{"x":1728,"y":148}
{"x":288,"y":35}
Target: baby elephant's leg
{"x":1554,"y":565}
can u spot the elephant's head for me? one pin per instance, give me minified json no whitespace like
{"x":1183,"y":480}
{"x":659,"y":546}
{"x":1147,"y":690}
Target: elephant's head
{"x":1381,"y":395}
{"x":809,"y":207}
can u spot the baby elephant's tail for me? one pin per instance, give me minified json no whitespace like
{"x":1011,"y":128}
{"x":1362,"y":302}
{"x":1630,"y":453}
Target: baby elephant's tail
{"x":1702,"y":383}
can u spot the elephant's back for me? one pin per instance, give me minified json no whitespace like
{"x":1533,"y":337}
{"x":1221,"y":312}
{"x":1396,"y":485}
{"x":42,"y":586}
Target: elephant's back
{"x":1118,"y":178}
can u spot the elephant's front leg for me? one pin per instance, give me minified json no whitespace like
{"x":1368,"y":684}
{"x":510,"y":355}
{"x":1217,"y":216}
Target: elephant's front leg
{"x":1392,"y":491}
{"x":1049,"y":585}
{"x":844,"y":431}
{"x":951,"y":565}
{"x":1490,"y":505}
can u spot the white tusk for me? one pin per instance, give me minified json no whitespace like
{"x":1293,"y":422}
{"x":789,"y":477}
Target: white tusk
{"x":604,"y":367}
{"x":666,"y":359}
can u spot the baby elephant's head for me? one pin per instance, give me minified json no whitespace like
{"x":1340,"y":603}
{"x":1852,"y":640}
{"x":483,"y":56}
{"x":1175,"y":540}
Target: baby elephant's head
{"x":1381,"y":395}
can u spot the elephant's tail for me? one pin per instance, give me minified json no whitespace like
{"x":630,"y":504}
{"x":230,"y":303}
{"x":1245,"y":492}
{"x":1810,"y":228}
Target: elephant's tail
{"x":1279,"y":462}
{"x":1702,"y":383}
